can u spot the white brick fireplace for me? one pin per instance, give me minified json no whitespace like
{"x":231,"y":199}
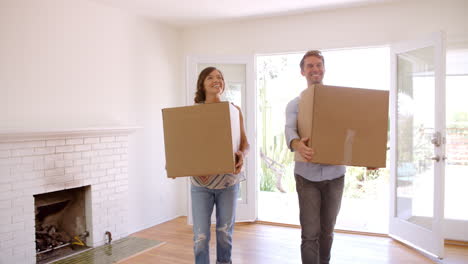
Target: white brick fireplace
{"x":41,"y":162}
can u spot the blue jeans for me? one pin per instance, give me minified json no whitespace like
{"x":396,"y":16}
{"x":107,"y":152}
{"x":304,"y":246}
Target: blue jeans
{"x":203,"y":201}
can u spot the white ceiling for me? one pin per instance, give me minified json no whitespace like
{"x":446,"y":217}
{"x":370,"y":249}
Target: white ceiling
{"x":186,"y":13}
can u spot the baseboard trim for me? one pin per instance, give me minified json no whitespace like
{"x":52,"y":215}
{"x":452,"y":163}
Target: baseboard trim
{"x":456,"y":242}
{"x":343,"y":231}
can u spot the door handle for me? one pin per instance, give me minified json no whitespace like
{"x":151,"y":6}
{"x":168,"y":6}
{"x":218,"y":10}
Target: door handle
{"x":437,"y":158}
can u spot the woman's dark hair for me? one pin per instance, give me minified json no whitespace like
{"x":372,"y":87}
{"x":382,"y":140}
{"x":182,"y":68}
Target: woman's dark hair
{"x":200,"y":95}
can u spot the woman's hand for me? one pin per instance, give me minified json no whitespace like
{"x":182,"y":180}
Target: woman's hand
{"x":239,"y":161}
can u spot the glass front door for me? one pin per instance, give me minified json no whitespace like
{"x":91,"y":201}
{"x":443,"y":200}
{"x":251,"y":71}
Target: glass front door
{"x":418,"y":143}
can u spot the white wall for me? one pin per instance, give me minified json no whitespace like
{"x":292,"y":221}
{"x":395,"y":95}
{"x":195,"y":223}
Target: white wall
{"x":154,"y":197}
{"x":75,"y":64}
{"x":380,"y":24}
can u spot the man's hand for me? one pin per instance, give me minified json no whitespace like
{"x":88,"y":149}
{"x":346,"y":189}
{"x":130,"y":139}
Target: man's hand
{"x":239,"y":161}
{"x":301,"y":147}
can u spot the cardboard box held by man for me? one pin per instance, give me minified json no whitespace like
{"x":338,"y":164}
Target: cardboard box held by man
{"x":345,"y":126}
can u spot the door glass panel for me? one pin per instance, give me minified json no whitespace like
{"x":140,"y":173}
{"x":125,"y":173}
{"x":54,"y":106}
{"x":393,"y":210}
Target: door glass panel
{"x":456,"y":177}
{"x":415,"y":122}
{"x":235,"y":81}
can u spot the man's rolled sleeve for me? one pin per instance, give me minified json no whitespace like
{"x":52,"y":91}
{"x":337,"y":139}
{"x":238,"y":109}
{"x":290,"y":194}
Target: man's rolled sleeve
{"x":290,"y":129}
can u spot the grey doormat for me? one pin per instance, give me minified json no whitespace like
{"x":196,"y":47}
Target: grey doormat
{"x":117,"y":251}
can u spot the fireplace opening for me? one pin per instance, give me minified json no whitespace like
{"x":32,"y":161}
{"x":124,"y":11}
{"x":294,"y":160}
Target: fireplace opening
{"x":60,"y":223}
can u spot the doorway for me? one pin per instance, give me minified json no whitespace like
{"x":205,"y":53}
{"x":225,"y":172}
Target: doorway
{"x":365,"y":200}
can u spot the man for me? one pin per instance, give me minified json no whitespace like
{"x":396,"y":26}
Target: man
{"x":319,"y":187}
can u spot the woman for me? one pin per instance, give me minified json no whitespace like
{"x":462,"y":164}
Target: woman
{"x":220,"y":190}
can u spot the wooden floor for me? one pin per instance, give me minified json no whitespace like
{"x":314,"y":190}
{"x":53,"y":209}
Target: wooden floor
{"x":269,"y":244}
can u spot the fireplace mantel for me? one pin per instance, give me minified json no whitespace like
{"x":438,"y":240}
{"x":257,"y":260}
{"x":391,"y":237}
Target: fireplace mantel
{"x":22,"y":135}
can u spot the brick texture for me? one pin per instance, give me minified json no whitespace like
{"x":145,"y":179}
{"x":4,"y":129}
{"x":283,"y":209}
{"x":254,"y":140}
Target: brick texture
{"x":33,"y":167}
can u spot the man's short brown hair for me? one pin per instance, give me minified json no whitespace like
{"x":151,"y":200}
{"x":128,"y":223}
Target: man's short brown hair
{"x":315,"y":53}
